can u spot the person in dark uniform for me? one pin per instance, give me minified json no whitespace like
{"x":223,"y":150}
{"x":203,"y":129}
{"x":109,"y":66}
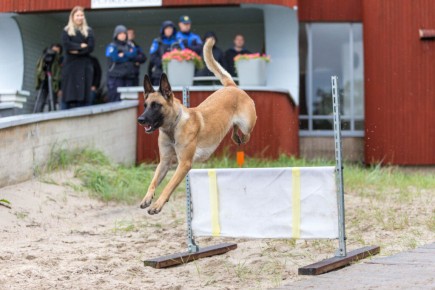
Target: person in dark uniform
{"x":189,"y":39}
{"x":167,"y":41}
{"x":120,"y":62}
{"x":238,"y":48}
{"x":78,"y":42}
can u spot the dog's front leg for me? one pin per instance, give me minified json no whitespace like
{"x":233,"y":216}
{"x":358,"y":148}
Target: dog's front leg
{"x":161,"y":171}
{"x":181,"y":171}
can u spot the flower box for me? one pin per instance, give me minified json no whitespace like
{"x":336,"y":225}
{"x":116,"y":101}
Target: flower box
{"x":180,"y":73}
{"x":252,"y":69}
{"x":180,"y":66}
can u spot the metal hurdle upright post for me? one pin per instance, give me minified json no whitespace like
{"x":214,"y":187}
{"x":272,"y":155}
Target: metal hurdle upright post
{"x":192,"y":247}
{"x":342,"y":258}
{"x":341,"y":252}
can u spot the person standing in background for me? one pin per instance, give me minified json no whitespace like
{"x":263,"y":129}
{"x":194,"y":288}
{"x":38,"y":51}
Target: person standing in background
{"x":96,"y":79}
{"x":189,"y":39}
{"x":49,"y":63}
{"x":238,"y":48}
{"x":167,"y":41}
{"x":218,"y":55}
{"x":78,"y":42}
{"x":120,"y":62}
{"x":140,"y":57}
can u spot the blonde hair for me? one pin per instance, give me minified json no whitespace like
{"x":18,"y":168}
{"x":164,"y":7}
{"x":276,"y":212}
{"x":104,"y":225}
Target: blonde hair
{"x":71,"y":27}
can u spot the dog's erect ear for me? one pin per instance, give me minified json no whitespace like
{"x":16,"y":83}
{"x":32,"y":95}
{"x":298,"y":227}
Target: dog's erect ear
{"x":165,"y":87}
{"x":147,"y":86}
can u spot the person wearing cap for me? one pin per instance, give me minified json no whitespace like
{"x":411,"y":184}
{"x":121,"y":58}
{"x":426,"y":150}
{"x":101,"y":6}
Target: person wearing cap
{"x":218,"y":55}
{"x":120,"y":60}
{"x":167,"y":41}
{"x":189,"y":39}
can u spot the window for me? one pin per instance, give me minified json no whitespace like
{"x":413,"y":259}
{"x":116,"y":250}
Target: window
{"x":327,"y":50}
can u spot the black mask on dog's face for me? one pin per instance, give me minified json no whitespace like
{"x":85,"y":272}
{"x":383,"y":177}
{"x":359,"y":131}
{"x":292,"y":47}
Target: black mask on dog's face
{"x":153,"y":116}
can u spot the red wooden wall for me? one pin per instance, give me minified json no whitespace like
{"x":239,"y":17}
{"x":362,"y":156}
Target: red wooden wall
{"x":399,"y":82}
{"x":330,"y":10}
{"x":26,"y":6}
{"x":276,"y":130}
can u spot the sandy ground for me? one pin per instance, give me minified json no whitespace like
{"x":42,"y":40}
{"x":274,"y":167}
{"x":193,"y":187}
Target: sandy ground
{"x":54,"y":237}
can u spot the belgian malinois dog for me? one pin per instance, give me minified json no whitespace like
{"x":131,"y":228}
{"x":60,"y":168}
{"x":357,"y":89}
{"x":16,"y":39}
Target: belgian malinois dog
{"x":193,"y":134}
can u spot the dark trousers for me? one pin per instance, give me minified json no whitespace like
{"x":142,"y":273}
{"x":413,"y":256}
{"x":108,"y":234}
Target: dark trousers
{"x":113,"y":84}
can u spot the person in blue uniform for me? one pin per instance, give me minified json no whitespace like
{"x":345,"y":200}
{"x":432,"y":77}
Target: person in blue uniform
{"x":189,"y":39}
{"x":120,"y":63}
{"x":167,"y":41}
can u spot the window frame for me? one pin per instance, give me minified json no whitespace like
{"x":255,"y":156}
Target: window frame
{"x":310,"y":132}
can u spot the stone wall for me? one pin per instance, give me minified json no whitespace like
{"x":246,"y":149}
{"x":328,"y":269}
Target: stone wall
{"x":26,"y":141}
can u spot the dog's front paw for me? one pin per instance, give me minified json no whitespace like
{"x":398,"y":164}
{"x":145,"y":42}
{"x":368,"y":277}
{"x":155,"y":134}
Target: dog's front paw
{"x":145,"y":204}
{"x":154,"y":210}
{"x":156,"y":207}
{"x":146,"y":201}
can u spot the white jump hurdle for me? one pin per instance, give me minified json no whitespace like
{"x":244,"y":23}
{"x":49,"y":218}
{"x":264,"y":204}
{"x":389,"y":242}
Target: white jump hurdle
{"x":294,"y":203}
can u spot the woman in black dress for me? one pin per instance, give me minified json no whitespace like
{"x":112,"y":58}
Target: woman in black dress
{"x":77,"y":71}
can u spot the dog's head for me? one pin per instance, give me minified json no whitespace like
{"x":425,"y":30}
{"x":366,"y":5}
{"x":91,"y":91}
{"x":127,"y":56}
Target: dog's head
{"x":157,"y":105}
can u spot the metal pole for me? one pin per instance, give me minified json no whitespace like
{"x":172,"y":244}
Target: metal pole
{"x":192,"y":247}
{"x":50,"y":92}
{"x":341,"y":252}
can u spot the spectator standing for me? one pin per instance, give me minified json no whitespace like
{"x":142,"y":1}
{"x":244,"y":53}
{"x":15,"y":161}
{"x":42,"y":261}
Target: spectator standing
{"x":167,"y":41}
{"x":140,"y":57}
{"x":78,"y":42}
{"x":49,"y":62}
{"x":121,"y":57}
{"x":189,"y":39}
{"x":96,"y":79}
{"x":217,"y":54}
{"x":239,"y":43}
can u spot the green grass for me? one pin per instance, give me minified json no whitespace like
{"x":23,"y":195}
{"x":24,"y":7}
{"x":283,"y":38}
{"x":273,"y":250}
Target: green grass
{"x":110,"y":182}
{"x":104,"y":179}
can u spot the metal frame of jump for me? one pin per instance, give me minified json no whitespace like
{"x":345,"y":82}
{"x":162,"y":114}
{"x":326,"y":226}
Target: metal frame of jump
{"x":341,"y":258}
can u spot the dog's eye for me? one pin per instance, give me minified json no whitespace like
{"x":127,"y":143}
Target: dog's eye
{"x":145,"y":105}
{"x":155,"y":105}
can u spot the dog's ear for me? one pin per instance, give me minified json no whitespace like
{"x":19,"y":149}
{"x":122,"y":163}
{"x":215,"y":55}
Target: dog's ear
{"x":147,"y":86}
{"x":165,"y":88}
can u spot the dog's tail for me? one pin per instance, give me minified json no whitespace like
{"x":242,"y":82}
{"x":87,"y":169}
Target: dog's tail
{"x":214,"y":66}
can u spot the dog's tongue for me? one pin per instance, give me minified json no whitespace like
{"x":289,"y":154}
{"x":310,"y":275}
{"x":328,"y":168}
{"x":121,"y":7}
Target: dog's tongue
{"x":147,"y":127}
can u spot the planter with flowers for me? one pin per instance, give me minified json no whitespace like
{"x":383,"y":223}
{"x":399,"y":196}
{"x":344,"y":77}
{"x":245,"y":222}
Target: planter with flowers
{"x":252,"y":69}
{"x":180,"y":66}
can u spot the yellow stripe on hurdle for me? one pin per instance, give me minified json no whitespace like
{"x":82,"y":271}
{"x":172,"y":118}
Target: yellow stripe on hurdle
{"x":214,"y":203}
{"x":296,"y":202}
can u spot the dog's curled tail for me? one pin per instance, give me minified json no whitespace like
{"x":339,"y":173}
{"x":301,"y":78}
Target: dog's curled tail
{"x":214,"y":66}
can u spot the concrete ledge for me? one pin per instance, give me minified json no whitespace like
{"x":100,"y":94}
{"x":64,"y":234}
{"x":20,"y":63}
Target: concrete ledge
{"x":27,"y":141}
{"x":72,"y":113}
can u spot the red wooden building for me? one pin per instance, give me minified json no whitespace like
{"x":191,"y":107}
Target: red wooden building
{"x":387,"y":70}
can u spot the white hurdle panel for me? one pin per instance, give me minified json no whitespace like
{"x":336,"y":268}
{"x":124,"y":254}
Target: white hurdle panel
{"x":298,"y":202}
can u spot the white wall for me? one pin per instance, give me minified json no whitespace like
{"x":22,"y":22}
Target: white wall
{"x":11,"y":55}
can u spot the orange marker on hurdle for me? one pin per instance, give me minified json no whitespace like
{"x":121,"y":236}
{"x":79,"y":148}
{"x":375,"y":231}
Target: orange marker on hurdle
{"x":240,"y":158}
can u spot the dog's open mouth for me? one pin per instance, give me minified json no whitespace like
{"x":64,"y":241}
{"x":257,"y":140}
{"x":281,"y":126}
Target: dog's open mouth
{"x":148,"y":128}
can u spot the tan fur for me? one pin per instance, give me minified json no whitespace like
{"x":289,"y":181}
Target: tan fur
{"x":193,"y":134}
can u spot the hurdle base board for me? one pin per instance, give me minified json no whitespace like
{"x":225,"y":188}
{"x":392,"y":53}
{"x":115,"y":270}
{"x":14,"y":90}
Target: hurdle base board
{"x":336,"y":263}
{"x":186,"y":257}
